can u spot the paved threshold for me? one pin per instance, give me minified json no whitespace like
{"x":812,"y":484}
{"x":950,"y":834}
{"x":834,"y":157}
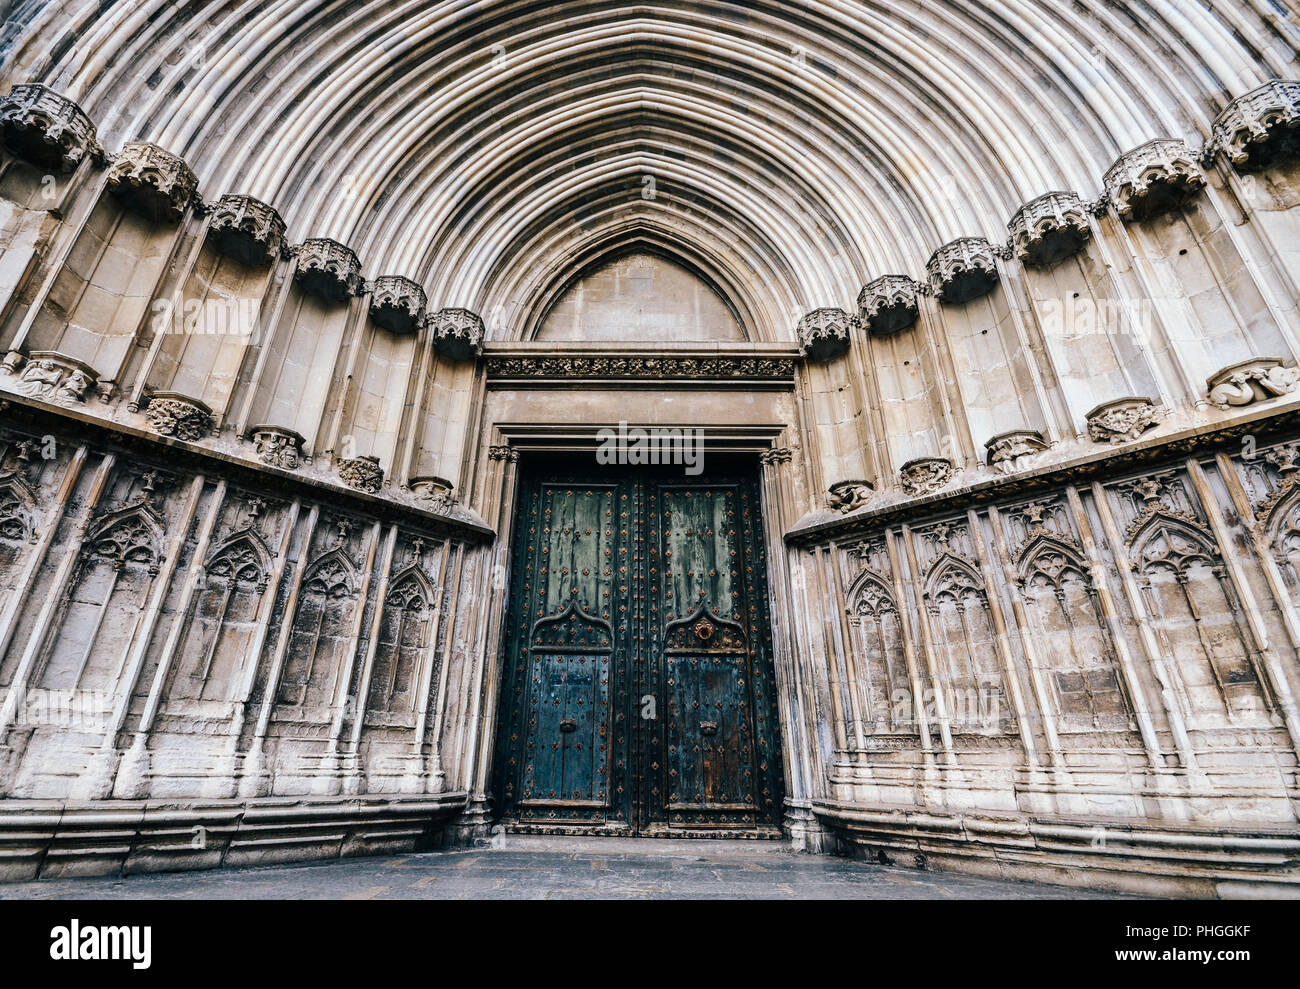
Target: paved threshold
{"x":518,"y":867}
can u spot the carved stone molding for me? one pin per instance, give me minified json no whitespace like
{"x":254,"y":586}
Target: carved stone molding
{"x":1010,"y":452}
{"x":776,"y":456}
{"x":46,"y":129}
{"x":436,"y":492}
{"x":152,"y":181}
{"x":48,"y":375}
{"x":926,"y":475}
{"x":277,"y":446}
{"x":246,"y":229}
{"x":173,"y":414}
{"x":1152,"y":179}
{"x":1050,"y":229}
{"x":1255,"y":380}
{"x":328,"y":269}
{"x":457,"y":333}
{"x":963,"y":270}
{"x":362,"y":473}
{"x":850,"y":496}
{"x":824,"y":334}
{"x":1260,"y":128}
{"x":396,"y":303}
{"x":642,"y":368}
{"x":888,"y":305}
{"x":1122,"y":420}
{"x":505,"y":453}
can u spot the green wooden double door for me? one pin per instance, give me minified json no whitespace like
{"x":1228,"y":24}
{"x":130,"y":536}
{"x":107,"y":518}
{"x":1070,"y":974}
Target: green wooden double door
{"x":638,"y":693}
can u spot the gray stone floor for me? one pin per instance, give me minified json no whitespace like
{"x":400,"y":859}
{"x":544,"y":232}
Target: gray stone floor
{"x":525,"y":868}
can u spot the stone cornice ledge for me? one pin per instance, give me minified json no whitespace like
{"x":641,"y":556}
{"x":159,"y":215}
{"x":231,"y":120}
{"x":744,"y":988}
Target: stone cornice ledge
{"x":722,"y":362}
{"x":20,"y":410}
{"x":1108,"y":461}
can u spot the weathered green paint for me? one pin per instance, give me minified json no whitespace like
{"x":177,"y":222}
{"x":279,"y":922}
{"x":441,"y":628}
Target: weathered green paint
{"x":639,"y":693}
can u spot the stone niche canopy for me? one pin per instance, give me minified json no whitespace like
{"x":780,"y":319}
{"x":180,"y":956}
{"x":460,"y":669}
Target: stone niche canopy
{"x":46,"y":129}
{"x":246,"y":229}
{"x":328,"y":270}
{"x":824,"y":334}
{"x":1153,"y":179}
{"x":1261,"y":128}
{"x":457,"y":333}
{"x":888,"y":305}
{"x":963,"y":270}
{"x":152,"y":182}
{"x":1050,"y":229}
{"x":396,"y":303}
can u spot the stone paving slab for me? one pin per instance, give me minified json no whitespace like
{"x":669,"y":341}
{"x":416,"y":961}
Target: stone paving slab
{"x":562,"y":868}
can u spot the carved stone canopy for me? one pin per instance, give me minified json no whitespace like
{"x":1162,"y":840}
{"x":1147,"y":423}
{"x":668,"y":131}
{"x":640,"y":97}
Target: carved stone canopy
{"x":824,"y":334}
{"x":46,"y":129}
{"x":1011,"y":451}
{"x":277,"y":446}
{"x":1050,"y":229}
{"x":926,"y":475}
{"x":1155,"y":178}
{"x":152,"y":182}
{"x":396,"y":303}
{"x":1255,"y":380}
{"x":49,"y":375}
{"x":173,"y":414}
{"x":362,"y":473}
{"x":328,"y":269}
{"x":963,"y":270}
{"x":888,"y":305}
{"x":246,"y":229}
{"x":850,"y":496}
{"x":1262,"y":127}
{"x":457,"y":333}
{"x":1122,"y":420}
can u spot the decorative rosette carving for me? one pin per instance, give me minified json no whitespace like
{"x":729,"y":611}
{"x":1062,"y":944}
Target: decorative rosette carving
{"x":1122,"y":420}
{"x":963,"y":270}
{"x":1260,"y":128}
{"x":436,"y":493}
{"x":173,"y":414}
{"x":1155,"y":178}
{"x":824,"y":334}
{"x":888,"y":304}
{"x":926,"y":475}
{"x":49,"y":375}
{"x":46,"y":129}
{"x":1050,"y":229}
{"x":396,"y":303}
{"x":328,"y":269}
{"x":850,"y":496}
{"x":362,"y":473}
{"x":151,"y":181}
{"x":457,"y":333}
{"x":277,"y":446}
{"x":1255,"y":380}
{"x":246,"y":229}
{"x":1012,"y":451}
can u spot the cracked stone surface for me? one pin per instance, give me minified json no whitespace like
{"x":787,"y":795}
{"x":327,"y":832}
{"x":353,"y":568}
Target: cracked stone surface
{"x":528,"y":868}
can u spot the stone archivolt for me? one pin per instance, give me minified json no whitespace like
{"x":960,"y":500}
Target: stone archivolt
{"x":152,"y":181}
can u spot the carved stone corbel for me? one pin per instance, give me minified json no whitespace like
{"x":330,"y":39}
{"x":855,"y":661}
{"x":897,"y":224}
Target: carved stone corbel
{"x":850,"y":496}
{"x":1122,"y":420}
{"x":173,"y":414}
{"x":362,"y":473}
{"x":152,"y":182}
{"x":1260,"y":128}
{"x":1050,"y":229}
{"x":926,"y":475}
{"x":888,"y":305}
{"x":457,"y":333}
{"x":1251,"y":381}
{"x":46,"y":129}
{"x":963,"y":270}
{"x":328,"y":269}
{"x":1152,"y":179}
{"x":396,"y":303}
{"x":437,"y":493}
{"x":824,"y":334}
{"x":246,"y":229}
{"x":1012,"y":451}
{"x":277,"y":446}
{"x":51,"y":376}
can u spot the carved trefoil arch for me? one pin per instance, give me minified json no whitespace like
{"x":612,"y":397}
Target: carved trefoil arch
{"x":884,"y":688}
